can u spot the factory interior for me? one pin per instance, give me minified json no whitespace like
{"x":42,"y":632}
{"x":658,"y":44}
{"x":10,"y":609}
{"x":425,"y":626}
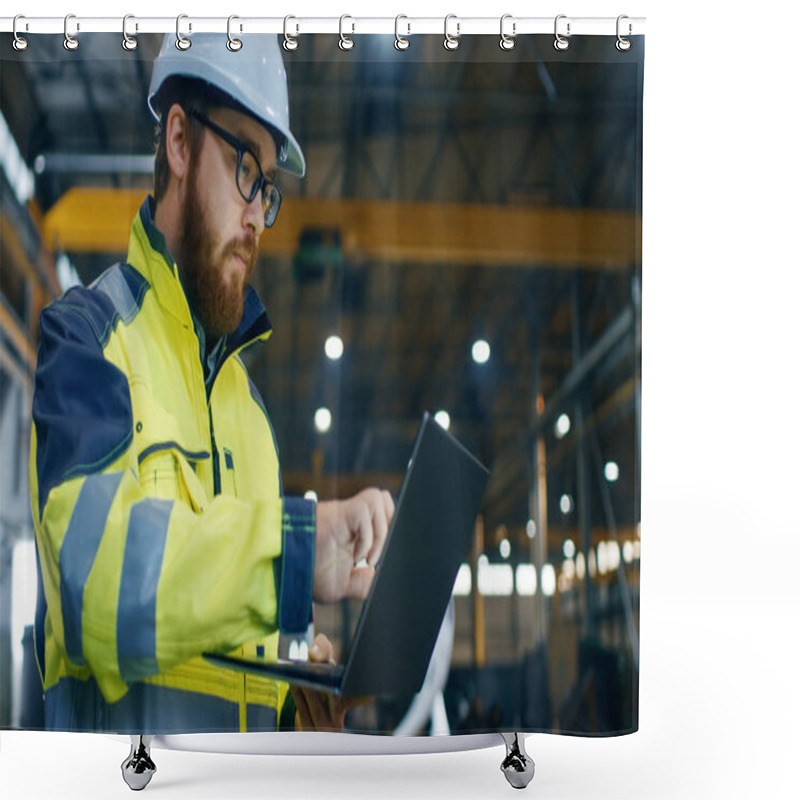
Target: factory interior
{"x":467,"y":242}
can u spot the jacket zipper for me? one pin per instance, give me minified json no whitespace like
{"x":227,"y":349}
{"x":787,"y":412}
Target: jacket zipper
{"x":214,"y":454}
{"x":226,"y":354}
{"x":214,"y":451}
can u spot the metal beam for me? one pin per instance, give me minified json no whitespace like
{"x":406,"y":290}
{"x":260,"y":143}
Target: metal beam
{"x":619,"y":400}
{"x":581,"y":411}
{"x":510,"y":463}
{"x":12,"y":328}
{"x":96,"y":164}
{"x":21,"y":239}
{"x":448,"y":233}
{"x":451,"y":94}
{"x":624,"y":588}
{"x":9,"y":364}
{"x":425,"y":189}
{"x":587,"y":363}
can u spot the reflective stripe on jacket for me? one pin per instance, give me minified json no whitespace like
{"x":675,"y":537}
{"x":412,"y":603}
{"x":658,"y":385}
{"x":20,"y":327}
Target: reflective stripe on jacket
{"x":160,"y":524}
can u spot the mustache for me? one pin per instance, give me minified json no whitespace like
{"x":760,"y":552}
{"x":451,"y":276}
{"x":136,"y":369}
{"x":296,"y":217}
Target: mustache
{"x":246,"y":247}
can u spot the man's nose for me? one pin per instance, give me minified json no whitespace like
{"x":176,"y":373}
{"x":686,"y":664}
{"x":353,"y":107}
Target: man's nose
{"x":254,"y":215}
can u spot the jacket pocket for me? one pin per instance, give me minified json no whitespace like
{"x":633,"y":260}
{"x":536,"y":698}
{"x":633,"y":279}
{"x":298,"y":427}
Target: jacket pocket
{"x":166,"y":471}
{"x":158,"y":474}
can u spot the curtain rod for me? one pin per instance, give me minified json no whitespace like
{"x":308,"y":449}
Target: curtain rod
{"x":350,"y":25}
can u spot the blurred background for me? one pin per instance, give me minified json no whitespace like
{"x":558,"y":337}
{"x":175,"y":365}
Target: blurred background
{"x":467,"y":241}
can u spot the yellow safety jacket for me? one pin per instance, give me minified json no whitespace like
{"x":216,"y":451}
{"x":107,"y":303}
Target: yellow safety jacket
{"x":161,"y":527}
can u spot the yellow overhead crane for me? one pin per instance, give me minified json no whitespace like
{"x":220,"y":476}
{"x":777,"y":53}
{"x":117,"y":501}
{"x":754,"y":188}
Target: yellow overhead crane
{"x":91,"y":220}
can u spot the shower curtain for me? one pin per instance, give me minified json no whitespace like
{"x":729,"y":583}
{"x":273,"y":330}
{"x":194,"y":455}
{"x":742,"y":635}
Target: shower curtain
{"x":466,"y":241}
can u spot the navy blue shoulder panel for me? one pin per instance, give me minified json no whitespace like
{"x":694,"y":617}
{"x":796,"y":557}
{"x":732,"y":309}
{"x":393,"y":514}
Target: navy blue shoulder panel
{"x":125,"y":288}
{"x":81,"y":402}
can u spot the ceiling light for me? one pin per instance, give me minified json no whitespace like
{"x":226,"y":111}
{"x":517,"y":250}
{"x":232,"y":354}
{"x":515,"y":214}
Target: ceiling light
{"x":580,"y":566}
{"x":627,"y":552}
{"x":481,"y":351}
{"x":495,"y":579}
{"x":526,"y":580}
{"x":463,"y":585}
{"x":548,"y":580}
{"x":334,"y":347}
{"x":602,"y":557}
{"x":322,"y":420}
{"x":563,"y":425}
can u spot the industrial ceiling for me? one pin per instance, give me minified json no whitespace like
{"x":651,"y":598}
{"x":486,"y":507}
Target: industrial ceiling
{"x":450,"y":197}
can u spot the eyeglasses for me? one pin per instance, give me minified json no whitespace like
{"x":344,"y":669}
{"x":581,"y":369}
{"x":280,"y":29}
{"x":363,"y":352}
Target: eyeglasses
{"x":249,"y":177}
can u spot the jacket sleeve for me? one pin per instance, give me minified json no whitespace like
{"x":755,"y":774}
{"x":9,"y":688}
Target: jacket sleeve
{"x":137,"y":584}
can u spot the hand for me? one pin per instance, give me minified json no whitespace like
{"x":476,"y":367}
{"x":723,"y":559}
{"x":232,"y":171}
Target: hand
{"x":321,"y":711}
{"x":347,"y":532}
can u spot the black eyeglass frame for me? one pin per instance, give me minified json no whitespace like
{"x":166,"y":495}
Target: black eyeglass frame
{"x":262,"y":184}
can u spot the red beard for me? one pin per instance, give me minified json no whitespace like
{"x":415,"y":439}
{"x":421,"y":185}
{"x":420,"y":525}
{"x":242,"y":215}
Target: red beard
{"x":218,"y":304}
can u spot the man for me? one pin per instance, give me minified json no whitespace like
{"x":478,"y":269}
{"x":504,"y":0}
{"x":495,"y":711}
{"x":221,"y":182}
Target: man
{"x":161,"y":526}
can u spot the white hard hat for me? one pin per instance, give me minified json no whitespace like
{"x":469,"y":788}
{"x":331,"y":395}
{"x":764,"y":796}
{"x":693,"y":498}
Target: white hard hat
{"x":253,"y":76}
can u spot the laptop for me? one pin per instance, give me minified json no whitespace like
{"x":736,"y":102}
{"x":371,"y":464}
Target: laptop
{"x":428,"y":539}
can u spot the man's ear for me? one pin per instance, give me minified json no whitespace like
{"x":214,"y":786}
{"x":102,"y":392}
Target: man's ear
{"x":177,"y":141}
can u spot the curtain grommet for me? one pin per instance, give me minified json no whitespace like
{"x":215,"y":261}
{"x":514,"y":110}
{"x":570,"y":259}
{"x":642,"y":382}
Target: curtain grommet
{"x":561,"y":42}
{"x":128,"y":42}
{"x":451,"y":42}
{"x":181,"y":42}
{"x":622,"y":44}
{"x":400,"y":42}
{"x":234,"y":45}
{"x":345,"y":42}
{"x":290,"y":43}
{"x":19,"y":43}
{"x":70,"y":42}
{"x":507,"y":42}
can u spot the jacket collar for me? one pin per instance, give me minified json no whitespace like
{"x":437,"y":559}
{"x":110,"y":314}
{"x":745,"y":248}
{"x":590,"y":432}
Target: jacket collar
{"x":148,"y":253}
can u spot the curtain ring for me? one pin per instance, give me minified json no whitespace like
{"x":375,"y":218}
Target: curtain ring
{"x":234,"y":45}
{"x":70,"y":42}
{"x":507,"y":42}
{"x":128,"y":42}
{"x":181,"y":42}
{"x":561,"y":43}
{"x":345,"y":42}
{"x":19,"y":42}
{"x":400,"y":42}
{"x":289,"y":43}
{"x":623,"y":44}
{"x":451,"y":42}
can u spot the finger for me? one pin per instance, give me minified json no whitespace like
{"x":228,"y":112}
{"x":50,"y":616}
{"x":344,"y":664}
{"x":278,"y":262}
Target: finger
{"x":360,"y":582}
{"x":321,"y":650}
{"x":385,"y":512}
{"x":380,"y":527}
{"x":388,"y":503}
{"x":362,"y":528}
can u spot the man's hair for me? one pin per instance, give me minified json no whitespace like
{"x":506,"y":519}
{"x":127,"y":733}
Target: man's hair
{"x":191,"y":95}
